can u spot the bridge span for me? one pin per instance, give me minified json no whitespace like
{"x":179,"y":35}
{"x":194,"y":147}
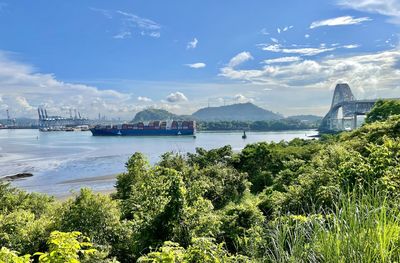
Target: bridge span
{"x":344,"y":111}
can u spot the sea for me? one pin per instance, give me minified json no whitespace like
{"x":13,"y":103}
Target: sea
{"x":64,"y":162}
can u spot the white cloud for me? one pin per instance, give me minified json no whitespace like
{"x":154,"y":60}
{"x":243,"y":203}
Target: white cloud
{"x":196,"y":65}
{"x":274,"y":40}
{"x":307,"y":36}
{"x":284,"y":29}
{"x":287,"y":28}
{"x":240,"y":58}
{"x":339,"y":21}
{"x":282,"y":60}
{"x":352,"y":46}
{"x":129,"y":23}
{"x":176,"y":97}
{"x":123,"y":35}
{"x":390,"y":8}
{"x":242,"y":99}
{"x":306,"y":51}
{"x":365,"y":73}
{"x":144,"y":99}
{"x":192,"y":44}
{"x":23,"y":90}
{"x":21,"y":101}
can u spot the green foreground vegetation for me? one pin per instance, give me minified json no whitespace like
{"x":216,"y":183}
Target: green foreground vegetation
{"x":329,"y":200}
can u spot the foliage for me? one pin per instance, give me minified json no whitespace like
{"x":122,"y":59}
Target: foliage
{"x":66,"y":248}
{"x":7,"y":255}
{"x":153,"y":115}
{"x":136,"y":167}
{"x":202,"y":250}
{"x":382,"y":110}
{"x":97,"y":217}
{"x":363,"y":228}
{"x":329,"y":200}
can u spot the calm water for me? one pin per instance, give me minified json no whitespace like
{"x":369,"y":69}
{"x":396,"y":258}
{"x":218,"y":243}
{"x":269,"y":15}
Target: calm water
{"x":59,"y":159}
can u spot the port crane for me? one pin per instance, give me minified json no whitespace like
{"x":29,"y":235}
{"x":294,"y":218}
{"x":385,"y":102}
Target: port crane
{"x":10,"y":121}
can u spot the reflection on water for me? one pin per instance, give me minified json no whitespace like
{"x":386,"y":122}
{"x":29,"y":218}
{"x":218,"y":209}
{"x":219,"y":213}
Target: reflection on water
{"x":57,"y":159}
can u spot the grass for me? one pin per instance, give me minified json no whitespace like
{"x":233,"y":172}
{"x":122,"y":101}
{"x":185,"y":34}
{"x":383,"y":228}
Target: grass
{"x":363,"y":227}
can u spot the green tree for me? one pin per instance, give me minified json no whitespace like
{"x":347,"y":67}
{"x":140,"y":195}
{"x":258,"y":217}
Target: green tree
{"x":66,"y":248}
{"x":8,"y":256}
{"x":382,"y":110}
{"x":137,"y":167}
{"x":97,"y":216}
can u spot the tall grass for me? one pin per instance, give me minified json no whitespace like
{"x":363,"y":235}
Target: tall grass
{"x":363,"y":227}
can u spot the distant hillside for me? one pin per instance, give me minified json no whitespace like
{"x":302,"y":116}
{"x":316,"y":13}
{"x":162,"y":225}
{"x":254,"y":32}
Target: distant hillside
{"x":308,"y":118}
{"x":158,"y":114}
{"x":153,"y":114}
{"x":236,"y":112}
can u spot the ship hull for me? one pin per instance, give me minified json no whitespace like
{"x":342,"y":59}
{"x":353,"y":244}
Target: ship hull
{"x":138,"y":132}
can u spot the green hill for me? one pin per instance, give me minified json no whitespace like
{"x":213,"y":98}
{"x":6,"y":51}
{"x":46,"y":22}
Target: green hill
{"x":236,"y":112}
{"x":153,"y":114}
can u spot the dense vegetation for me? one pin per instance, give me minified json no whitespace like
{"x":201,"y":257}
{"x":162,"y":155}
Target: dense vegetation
{"x":382,"y":110}
{"x":236,"y":112}
{"x":157,"y":114}
{"x":332,"y":200}
{"x":275,"y":125}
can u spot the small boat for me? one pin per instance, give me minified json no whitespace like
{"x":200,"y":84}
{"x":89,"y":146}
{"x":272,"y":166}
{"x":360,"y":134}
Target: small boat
{"x":244,"y":136}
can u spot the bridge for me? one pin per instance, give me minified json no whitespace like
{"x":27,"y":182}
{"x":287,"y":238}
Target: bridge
{"x":344,"y":110}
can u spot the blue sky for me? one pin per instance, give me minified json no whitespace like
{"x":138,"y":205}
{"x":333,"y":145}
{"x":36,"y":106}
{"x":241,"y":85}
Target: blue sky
{"x":118,"y":57}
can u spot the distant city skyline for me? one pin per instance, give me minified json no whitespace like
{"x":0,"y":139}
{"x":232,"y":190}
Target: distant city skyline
{"x":119,"y":57}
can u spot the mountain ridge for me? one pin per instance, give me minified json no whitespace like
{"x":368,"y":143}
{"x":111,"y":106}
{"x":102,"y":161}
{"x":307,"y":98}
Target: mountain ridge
{"x":234,"y":112}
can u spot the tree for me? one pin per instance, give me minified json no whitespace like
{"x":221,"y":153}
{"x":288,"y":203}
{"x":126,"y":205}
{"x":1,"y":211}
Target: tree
{"x":382,"y":110}
{"x":66,"y":248}
{"x":137,"y":167}
{"x":97,"y":216}
{"x":7,"y":255}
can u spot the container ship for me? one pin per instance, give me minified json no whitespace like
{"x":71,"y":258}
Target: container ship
{"x":153,"y":128}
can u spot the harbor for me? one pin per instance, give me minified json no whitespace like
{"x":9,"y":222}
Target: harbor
{"x":60,"y":158}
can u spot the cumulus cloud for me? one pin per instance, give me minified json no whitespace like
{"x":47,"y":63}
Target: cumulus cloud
{"x":196,"y":65}
{"x":390,"y":8}
{"x":144,"y":99}
{"x":339,"y":21}
{"x":176,"y":97}
{"x":23,"y":90}
{"x":364,"y":72}
{"x":242,"y":99}
{"x":192,"y":44}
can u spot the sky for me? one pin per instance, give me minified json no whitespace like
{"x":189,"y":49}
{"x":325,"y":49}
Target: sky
{"x":119,"y":57}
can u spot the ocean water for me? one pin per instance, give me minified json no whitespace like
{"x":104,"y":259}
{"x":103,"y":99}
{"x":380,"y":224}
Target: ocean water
{"x":64,"y":162}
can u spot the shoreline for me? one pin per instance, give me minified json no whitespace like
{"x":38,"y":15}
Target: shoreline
{"x":93,"y":179}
